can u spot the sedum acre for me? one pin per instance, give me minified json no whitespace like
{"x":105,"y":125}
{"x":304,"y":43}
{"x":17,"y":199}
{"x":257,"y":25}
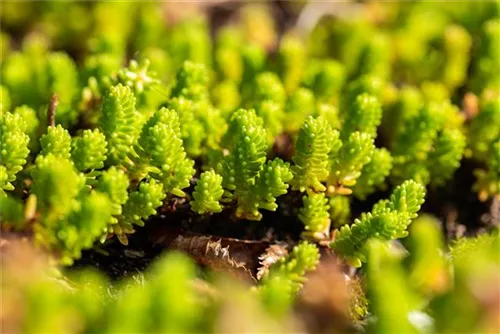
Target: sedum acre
{"x":119,"y":123}
{"x":173,"y":168}
{"x":290,"y":269}
{"x":347,"y":163}
{"x":56,"y":141}
{"x":141,"y":204}
{"x":373,"y":173}
{"x":270,"y":183}
{"x":14,"y":148}
{"x":207,"y":193}
{"x":311,"y":159}
{"x":88,"y":151}
{"x":364,"y":115}
{"x":388,"y":220}
{"x":249,"y":147}
{"x":315,"y":216}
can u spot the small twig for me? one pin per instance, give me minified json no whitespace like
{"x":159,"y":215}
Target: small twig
{"x":51,"y":113}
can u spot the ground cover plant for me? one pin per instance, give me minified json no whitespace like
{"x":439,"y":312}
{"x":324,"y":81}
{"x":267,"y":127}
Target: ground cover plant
{"x":317,"y":167}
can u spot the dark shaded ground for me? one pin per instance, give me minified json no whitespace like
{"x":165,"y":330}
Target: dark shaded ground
{"x":148,"y":242}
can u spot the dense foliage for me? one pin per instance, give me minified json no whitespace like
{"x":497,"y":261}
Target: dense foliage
{"x":112,"y":113}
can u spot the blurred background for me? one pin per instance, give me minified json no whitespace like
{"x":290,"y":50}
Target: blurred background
{"x":412,"y":41}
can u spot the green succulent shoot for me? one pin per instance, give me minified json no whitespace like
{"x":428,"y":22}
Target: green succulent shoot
{"x":325,"y":78}
{"x":56,"y":183}
{"x":272,"y":114}
{"x":445,"y":158}
{"x":292,"y":58}
{"x":290,"y":270}
{"x":12,"y":213}
{"x":120,"y":123}
{"x":88,"y":151}
{"x":268,"y":87}
{"x":340,"y":210}
{"x":347,"y":162}
{"x":191,"y":82}
{"x":192,"y":131}
{"x":457,"y":42}
{"x":369,"y":84}
{"x":84,"y":225}
{"x":207,"y":193}
{"x":14,"y":148}
{"x":141,"y":204}
{"x":32,"y":125}
{"x":387,"y":280}
{"x":247,"y":153}
{"x":425,"y":148}
{"x":388,"y":220}
{"x":173,"y":168}
{"x":375,"y":56}
{"x":485,"y":68}
{"x":114,"y":183}
{"x":313,"y":145}
{"x":5,"y":98}
{"x":299,"y":106}
{"x":202,"y":125}
{"x":71,"y":219}
{"x":254,"y":61}
{"x":373,"y":173}
{"x":247,"y":179}
{"x":56,"y":141}
{"x":365,"y":115}
{"x":315,"y":216}
{"x":228,"y":60}
{"x":270,"y":183}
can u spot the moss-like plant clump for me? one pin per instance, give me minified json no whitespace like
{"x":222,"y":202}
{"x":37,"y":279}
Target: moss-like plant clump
{"x":322,"y":167}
